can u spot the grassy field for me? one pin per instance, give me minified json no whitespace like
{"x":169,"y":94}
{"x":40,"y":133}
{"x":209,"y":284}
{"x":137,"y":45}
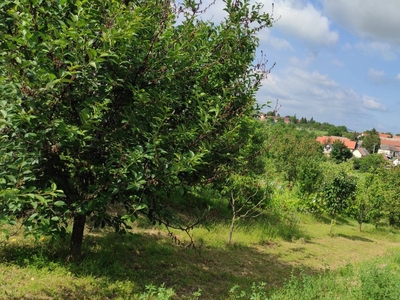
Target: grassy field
{"x":314,"y":131}
{"x":121,"y":266}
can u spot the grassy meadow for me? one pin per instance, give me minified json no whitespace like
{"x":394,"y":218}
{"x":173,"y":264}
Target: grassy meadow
{"x":268,"y":259}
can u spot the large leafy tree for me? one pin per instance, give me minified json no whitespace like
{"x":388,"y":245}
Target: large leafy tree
{"x":115,"y":104}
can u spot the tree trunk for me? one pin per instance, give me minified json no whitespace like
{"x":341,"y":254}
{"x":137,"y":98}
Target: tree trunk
{"x":232,"y":203}
{"x":231,"y":229}
{"x":392,"y":220}
{"x":77,"y":236}
{"x":331,"y":230}
{"x":359,"y":226}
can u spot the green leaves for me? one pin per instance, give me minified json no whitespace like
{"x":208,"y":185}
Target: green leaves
{"x":103,"y":104}
{"x":340,"y":152}
{"x":59,"y":203}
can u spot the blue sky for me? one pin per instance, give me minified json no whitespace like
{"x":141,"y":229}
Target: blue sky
{"x":336,"y":61}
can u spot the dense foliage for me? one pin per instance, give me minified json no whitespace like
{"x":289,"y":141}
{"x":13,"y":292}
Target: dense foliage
{"x":371,"y":141}
{"x":340,"y":152}
{"x":114,"y":108}
{"x":293,"y":152}
{"x":370,"y":163}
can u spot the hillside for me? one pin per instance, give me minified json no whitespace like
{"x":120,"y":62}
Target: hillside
{"x":120,"y":266}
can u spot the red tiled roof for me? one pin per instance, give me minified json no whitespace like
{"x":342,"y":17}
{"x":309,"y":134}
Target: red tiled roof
{"x":390,"y":142}
{"x":331,"y":139}
{"x":383,"y":135}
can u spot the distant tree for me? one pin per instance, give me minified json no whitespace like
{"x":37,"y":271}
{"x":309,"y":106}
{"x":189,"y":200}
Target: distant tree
{"x":335,"y":131}
{"x":371,"y":141}
{"x":271,"y":113}
{"x":370,"y":163}
{"x":293,"y":119}
{"x":351,"y":135}
{"x":340,"y":152}
{"x":309,"y":175}
{"x":361,"y":206}
{"x":337,"y":192}
{"x":289,"y":148}
{"x":391,"y":194}
{"x":381,"y":195}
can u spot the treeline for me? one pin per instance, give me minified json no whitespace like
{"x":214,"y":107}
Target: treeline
{"x":305,"y":123}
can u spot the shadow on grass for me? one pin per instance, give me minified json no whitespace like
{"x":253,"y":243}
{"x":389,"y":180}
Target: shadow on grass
{"x":322,"y":218}
{"x":343,"y":221}
{"x":327,"y":220}
{"x":125,"y":264}
{"x":355,"y":238}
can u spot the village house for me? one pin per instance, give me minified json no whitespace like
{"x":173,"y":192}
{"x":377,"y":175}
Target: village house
{"x":327,"y":142}
{"x":360,"y":152}
{"x":390,"y":146}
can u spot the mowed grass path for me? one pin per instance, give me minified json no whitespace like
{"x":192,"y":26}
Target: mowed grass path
{"x":120,"y":266}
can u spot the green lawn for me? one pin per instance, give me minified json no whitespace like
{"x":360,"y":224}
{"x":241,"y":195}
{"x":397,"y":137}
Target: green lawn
{"x":120,"y":266}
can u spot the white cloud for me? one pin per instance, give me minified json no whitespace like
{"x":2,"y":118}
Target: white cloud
{"x":397,"y":77}
{"x":312,"y":94}
{"x":376,"y":76}
{"x":302,"y":62}
{"x":383,"y":50}
{"x":377,"y":20}
{"x":304,"y":22}
{"x":371,"y":103}
{"x":270,"y":41}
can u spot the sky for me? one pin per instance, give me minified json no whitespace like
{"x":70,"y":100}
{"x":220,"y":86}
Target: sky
{"x":337,"y":61}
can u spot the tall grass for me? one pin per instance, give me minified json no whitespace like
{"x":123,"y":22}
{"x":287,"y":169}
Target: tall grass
{"x":376,"y":279}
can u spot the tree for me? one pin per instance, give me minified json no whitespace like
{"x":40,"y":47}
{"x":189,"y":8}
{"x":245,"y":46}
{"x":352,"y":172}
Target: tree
{"x":361,"y":206}
{"x":335,"y":131}
{"x":114,"y":103}
{"x":337,"y":189}
{"x":248,"y":198}
{"x":390,"y":193}
{"x":340,"y":152}
{"x":293,"y":119}
{"x":352,"y":135}
{"x":291,"y":150}
{"x":370,"y":163}
{"x":309,"y":175}
{"x":246,"y":187}
{"x":371,"y":141}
